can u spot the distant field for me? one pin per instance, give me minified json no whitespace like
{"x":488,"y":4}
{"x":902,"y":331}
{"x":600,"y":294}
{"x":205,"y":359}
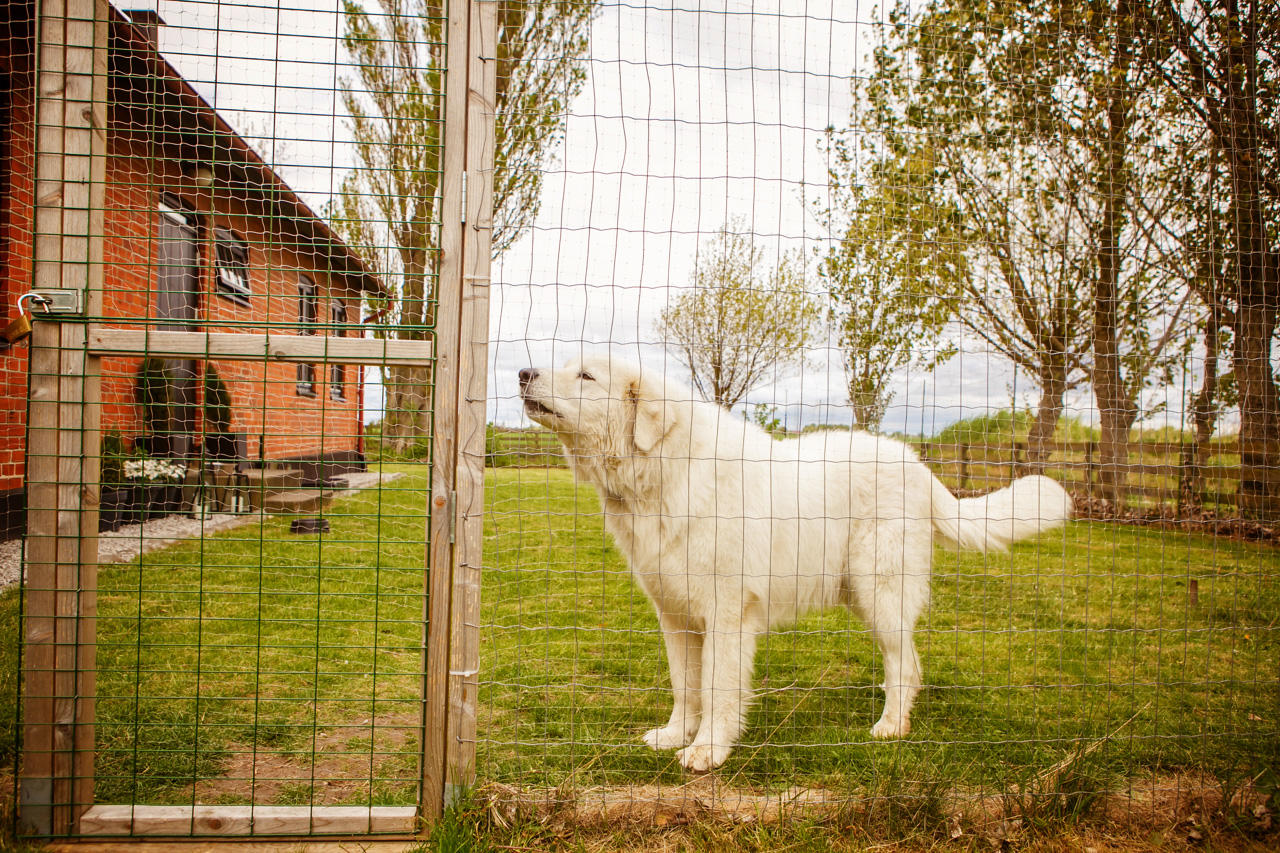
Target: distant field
{"x":522,"y":448}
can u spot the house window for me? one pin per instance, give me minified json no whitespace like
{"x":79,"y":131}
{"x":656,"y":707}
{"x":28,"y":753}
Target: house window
{"x":338,"y":372}
{"x":307,"y":305}
{"x":233,"y":267}
{"x":177,"y":265}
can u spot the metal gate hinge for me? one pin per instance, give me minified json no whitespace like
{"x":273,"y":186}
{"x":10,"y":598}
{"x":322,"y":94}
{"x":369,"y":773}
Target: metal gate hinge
{"x":464,"y":198}
{"x":453,"y":517}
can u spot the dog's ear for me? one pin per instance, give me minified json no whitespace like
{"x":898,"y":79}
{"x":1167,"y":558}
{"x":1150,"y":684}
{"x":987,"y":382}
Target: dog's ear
{"x":653,"y":416}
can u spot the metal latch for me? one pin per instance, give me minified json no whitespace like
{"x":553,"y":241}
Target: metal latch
{"x":50,"y":301}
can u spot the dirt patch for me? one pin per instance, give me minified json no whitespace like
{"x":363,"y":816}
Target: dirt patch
{"x":1169,"y":811}
{"x":1187,"y":519}
{"x":342,"y":764}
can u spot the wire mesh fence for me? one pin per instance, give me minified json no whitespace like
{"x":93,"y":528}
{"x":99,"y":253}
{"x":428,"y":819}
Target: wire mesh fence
{"x":998,"y":235}
{"x":225,"y":599}
{"x":875,"y":406}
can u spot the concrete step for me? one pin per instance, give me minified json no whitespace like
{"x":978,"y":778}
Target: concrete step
{"x":292,"y":501}
{"x":269,"y":478}
{"x":260,"y":483}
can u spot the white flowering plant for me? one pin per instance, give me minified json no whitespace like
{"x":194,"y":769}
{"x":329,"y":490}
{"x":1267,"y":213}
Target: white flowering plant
{"x":153,"y":471}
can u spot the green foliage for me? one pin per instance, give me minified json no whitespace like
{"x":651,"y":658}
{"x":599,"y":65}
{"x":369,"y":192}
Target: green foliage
{"x":997,"y":428}
{"x":741,"y":323}
{"x":766,"y":417}
{"x":153,"y":392}
{"x":217,"y":403}
{"x":893,"y":275}
{"x":966,"y":187}
{"x":115,"y":453}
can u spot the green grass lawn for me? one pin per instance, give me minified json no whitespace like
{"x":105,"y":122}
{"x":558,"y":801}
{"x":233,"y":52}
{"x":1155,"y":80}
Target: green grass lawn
{"x":242,"y":655}
{"x":255,"y":666}
{"x":1084,"y":634}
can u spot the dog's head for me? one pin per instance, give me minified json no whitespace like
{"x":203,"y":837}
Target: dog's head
{"x":600,"y":402}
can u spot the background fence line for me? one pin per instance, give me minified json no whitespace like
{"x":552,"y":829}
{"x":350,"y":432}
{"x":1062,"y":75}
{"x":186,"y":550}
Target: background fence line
{"x":1158,"y":471}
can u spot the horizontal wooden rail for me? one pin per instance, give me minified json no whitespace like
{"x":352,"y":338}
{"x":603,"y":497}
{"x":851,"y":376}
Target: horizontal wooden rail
{"x":234,"y":346}
{"x":986,"y":465}
{"x":171,"y":821}
{"x":1136,"y":448}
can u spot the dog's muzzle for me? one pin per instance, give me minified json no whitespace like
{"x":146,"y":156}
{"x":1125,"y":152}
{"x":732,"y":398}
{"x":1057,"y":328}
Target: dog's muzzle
{"x":532,"y":406}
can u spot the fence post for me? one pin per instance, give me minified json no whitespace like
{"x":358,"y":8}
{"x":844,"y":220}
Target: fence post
{"x":63,"y":428}
{"x":457,"y":490}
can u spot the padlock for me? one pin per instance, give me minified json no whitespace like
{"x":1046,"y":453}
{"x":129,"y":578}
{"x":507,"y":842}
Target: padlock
{"x":19,"y":328}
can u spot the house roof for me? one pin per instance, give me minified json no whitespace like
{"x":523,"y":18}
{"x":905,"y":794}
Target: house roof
{"x":150,"y":95}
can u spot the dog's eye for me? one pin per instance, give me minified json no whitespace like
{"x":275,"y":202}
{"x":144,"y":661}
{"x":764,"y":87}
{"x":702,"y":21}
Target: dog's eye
{"x":587,"y":376}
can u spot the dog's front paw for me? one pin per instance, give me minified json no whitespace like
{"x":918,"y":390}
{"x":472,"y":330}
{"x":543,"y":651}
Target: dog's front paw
{"x":889,"y":729}
{"x":701,"y":757}
{"x":668,"y":737}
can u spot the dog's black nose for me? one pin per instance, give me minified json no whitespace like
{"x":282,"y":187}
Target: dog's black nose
{"x":526,"y":376}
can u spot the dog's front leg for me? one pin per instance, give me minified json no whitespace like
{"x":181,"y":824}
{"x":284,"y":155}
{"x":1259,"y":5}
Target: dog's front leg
{"x":684,"y":658}
{"x":728,"y":652}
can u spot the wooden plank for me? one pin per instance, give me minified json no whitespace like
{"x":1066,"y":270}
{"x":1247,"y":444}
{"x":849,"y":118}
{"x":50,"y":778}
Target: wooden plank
{"x":233,"y":845}
{"x":168,"y":821}
{"x":234,"y":346}
{"x":440,"y":549}
{"x":464,"y":644}
{"x":56,"y":786}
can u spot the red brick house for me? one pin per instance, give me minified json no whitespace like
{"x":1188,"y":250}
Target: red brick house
{"x":200,"y":235}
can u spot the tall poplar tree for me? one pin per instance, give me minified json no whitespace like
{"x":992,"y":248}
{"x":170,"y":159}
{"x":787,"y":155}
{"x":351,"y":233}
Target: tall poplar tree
{"x":388,"y":208}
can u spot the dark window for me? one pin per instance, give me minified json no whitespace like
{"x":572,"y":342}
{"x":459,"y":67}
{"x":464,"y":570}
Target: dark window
{"x":233,"y":267}
{"x":177,"y":266}
{"x":307,"y":305}
{"x":177,"y":284}
{"x":338,"y":372}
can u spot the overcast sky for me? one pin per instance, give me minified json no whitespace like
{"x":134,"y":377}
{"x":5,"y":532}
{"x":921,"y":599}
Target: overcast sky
{"x":687,"y":118}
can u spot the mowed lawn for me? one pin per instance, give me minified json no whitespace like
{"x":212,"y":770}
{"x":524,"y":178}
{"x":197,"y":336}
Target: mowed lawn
{"x":282,"y":668}
{"x":1088,"y":633}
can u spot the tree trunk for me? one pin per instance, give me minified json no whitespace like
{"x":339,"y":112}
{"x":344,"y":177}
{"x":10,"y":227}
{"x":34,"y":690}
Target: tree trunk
{"x":408,"y":389}
{"x":1259,"y":412}
{"x":1053,"y":391}
{"x":1259,"y":271}
{"x":1204,"y":415}
{"x":1117,"y":412}
{"x":408,"y":406}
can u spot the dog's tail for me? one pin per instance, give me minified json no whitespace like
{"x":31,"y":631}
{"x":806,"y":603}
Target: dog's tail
{"x":993,"y":522}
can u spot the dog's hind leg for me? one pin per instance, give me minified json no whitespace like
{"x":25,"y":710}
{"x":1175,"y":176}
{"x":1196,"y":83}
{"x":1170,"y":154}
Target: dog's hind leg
{"x":728,"y":657}
{"x":900,"y":594}
{"x":684,"y":658}
{"x":901,"y":680}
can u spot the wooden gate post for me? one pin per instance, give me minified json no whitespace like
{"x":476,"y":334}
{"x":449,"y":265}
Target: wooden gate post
{"x":62,"y":468}
{"x":461,"y":392}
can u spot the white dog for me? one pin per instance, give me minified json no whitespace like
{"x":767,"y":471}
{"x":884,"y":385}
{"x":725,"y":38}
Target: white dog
{"x":731,"y":533}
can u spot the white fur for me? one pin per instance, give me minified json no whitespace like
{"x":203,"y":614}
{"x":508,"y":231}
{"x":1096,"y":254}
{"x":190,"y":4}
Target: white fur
{"x":731,"y":533}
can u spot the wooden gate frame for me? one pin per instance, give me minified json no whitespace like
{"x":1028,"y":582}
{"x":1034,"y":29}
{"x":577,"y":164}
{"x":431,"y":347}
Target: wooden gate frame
{"x":63,"y":465}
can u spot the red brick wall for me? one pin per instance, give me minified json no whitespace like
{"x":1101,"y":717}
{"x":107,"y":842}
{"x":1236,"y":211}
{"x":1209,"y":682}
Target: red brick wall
{"x":16,"y":169}
{"x":265,"y":399}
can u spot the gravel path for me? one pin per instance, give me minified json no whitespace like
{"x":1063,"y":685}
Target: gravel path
{"x":121,"y":546}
